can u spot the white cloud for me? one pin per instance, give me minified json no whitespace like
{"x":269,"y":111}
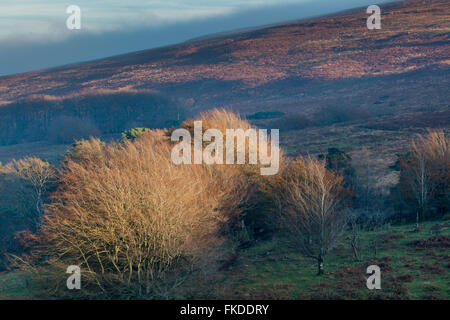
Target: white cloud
{"x":26,"y":20}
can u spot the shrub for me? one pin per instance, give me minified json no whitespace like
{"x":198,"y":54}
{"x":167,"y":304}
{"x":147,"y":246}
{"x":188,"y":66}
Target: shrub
{"x":85,"y":150}
{"x":220,"y":119}
{"x":257,"y":205}
{"x":131,"y":218}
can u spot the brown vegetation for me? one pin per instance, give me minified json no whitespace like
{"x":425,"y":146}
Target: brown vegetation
{"x":324,"y":48}
{"x":433,"y":242}
{"x":140,"y":226}
{"x":129,"y":216}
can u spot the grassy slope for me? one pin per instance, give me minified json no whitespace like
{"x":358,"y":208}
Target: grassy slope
{"x":274,"y":270}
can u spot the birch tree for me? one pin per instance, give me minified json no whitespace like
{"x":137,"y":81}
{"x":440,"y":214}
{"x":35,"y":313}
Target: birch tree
{"x":309,"y":201}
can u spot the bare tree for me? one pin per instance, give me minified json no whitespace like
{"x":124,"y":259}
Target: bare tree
{"x":426,"y":170}
{"x":38,"y":174}
{"x":365,"y":178}
{"x":420,"y":184}
{"x":355,"y":234}
{"x":309,"y":201}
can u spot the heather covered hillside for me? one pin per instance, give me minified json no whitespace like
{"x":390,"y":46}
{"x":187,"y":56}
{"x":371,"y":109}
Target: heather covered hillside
{"x":414,"y":36}
{"x":324,"y":82}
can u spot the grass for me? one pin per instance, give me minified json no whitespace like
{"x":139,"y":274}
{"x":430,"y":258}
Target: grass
{"x":274,"y":270}
{"x":15,"y":285}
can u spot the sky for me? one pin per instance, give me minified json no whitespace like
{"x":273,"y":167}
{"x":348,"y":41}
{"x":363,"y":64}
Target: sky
{"x":34,"y":35}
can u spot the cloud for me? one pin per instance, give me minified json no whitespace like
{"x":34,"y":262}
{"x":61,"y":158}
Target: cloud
{"x":27,"y":20}
{"x":41,"y":40}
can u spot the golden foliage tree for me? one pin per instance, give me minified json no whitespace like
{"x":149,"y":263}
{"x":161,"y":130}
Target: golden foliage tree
{"x":257,"y":204}
{"x":127,"y":215}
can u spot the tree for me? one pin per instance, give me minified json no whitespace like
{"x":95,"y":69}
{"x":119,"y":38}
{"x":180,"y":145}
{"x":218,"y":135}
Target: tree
{"x":38,"y":174}
{"x":370,"y":198}
{"x":309,"y":201}
{"x":258,"y":207}
{"x":424,"y":175}
{"x":339,"y":162}
{"x":420,"y":184}
{"x":131,"y":217}
{"x":355,"y":234}
{"x":86,"y":150}
{"x":16,"y":208}
{"x":132,"y":134}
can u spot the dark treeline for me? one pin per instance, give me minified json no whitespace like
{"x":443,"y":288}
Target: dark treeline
{"x":63,"y":120}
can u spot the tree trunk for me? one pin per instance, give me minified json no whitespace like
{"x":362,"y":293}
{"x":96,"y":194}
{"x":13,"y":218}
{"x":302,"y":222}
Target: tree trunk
{"x":320,"y":265}
{"x":417,"y":220}
{"x":355,"y":250}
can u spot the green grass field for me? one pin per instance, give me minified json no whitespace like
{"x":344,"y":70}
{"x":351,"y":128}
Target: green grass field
{"x":274,"y":270}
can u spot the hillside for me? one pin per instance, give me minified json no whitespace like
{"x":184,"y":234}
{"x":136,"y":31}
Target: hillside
{"x":414,"y":36}
{"x":333,"y":82}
